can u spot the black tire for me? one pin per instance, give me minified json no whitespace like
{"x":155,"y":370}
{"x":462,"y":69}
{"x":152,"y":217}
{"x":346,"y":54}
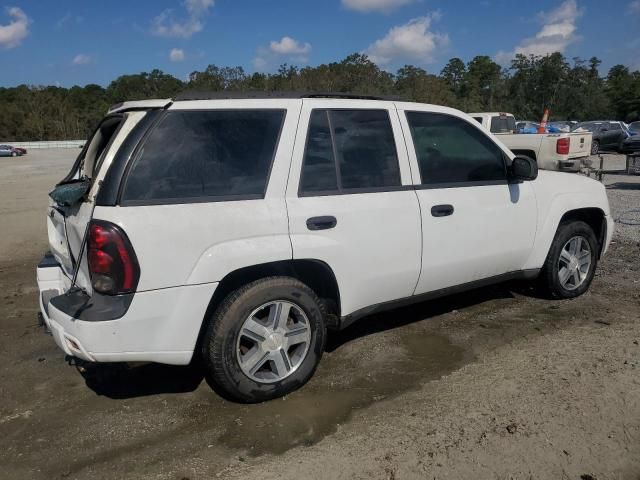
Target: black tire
{"x":220,"y":360}
{"x":14,"y":154}
{"x":549,"y":279}
{"x":595,"y":147}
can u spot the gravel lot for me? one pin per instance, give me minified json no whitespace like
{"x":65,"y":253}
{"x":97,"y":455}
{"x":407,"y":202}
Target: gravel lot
{"x":495,"y":383}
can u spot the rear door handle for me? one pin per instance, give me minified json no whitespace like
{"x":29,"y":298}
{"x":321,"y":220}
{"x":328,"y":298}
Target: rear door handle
{"x":442,"y":210}
{"x":321,"y":223}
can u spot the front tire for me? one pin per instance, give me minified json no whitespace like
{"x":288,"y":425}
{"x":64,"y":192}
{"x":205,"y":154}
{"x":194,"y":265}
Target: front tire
{"x":265,"y":340}
{"x":571,"y":263}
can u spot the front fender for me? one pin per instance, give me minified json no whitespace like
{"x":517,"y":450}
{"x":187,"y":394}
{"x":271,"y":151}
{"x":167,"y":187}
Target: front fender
{"x":551,"y":215}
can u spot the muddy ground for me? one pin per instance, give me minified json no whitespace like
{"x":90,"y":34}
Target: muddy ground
{"x":495,"y":383}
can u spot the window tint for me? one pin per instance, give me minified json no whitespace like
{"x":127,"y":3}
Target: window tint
{"x":319,"y":171}
{"x":614,"y":126}
{"x":214,"y":153}
{"x":451,"y":150}
{"x":362,"y":143}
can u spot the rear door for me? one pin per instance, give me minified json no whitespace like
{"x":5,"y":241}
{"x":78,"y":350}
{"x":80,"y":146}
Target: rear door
{"x":475,"y":224}
{"x":66,"y":226}
{"x":350,"y":201}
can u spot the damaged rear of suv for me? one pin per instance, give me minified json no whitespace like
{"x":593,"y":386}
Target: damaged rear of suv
{"x":237,"y":231}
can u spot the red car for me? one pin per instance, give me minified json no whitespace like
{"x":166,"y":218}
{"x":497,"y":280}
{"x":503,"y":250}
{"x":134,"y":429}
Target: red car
{"x":8,"y":150}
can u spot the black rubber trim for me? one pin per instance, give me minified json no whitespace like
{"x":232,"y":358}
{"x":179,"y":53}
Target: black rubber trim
{"x":96,"y":308}
{"x":108,"y":192}
{"x":48,"y":261}
{"x":347,"y":320}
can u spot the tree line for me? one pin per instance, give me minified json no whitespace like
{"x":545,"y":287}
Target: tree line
{"x":572,"y":90}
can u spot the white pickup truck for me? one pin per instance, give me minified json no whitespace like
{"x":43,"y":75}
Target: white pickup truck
{"x":552,"y":151}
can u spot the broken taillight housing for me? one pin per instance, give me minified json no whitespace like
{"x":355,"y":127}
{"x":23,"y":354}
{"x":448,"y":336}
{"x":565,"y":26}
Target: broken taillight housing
{"x":113,"y":265}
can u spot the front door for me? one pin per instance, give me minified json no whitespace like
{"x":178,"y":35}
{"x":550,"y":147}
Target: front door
{"x":475,"y":224}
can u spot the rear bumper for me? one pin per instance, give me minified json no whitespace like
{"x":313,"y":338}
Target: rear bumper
{"x":159,"y":326}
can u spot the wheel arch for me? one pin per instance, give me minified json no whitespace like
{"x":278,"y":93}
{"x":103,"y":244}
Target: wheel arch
{"x":316,"y":274}
{"x":592,"y":216}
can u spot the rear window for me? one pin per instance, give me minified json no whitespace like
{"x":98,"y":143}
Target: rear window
{"x":210,"y":154}
{"x":503,"y":124}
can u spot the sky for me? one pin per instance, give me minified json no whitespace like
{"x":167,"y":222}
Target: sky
{"x":76,"y":42}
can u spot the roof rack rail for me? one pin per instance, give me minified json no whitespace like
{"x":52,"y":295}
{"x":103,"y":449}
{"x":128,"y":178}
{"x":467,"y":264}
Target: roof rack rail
{"x":229,"y":95}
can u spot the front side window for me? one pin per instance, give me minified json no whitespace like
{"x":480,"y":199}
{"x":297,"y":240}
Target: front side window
{"x":206,"y":154}
{"x":450,"y":150}
{"x":349,"y":150}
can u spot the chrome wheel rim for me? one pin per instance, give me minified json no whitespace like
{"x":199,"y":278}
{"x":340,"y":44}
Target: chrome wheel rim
{"x":273,"y":341}
{"x":574,"y":263}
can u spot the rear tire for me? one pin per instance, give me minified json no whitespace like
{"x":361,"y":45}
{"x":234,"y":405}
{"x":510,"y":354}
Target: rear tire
{"x":249,"y":355}
{"x":571,"y":262}
{"x":595,"y":147}
{"x":14,"y":154}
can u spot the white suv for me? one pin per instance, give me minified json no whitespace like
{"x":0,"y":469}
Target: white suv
{"x":236,"y":231}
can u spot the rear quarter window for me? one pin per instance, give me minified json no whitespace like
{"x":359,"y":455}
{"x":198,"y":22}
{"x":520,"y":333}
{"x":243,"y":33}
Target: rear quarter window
{"x":209,"y":154}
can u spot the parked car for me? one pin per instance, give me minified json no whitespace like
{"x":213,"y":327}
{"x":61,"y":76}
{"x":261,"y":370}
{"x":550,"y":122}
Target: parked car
{"x":9,"y":151}
{"x":237,"y":231}
{"x":630,"y":144}
{"x":552,"y":151}
{"x":607,"y":135}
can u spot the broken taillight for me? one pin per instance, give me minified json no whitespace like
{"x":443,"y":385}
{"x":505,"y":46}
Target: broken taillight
{"x":113,"y":265}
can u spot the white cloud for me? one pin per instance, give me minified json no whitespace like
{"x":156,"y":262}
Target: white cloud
{"x":176,"y":55}
{"x":634,"y":7}
{"x":412,"y":41}
{"x":69,"y":18}
{"x":167,"y":25}
{"x":12,"y":34}
{"x":384,"y":6}
{"x":198,"y":6}
{"x":82,"y":59}
{"x":289,"y":46}
{"x":557,"y":33}
{"x":285,"y":49}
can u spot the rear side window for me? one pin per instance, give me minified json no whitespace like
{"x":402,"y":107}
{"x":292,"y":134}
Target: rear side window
{"x":450,"y":150}
{"x":349,"y":150}
{"x":216,"y":154}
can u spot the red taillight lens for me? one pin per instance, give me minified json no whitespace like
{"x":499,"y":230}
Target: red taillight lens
{"x":112,"y":262}
{"x":562,"y":146}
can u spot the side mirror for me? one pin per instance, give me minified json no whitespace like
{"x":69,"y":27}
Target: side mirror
{"x":523,"y":168}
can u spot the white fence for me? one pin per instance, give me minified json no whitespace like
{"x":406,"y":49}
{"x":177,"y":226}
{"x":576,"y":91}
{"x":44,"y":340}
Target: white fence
{"x":50,"y":144}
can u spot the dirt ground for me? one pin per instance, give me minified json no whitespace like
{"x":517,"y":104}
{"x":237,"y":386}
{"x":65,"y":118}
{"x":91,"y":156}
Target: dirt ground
{"x":495,"y":383}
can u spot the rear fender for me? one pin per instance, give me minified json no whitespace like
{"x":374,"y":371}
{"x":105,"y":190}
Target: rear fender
{"x":223,"y":258}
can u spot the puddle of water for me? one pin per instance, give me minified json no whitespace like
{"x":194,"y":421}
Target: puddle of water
{"x":310,"y":414}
